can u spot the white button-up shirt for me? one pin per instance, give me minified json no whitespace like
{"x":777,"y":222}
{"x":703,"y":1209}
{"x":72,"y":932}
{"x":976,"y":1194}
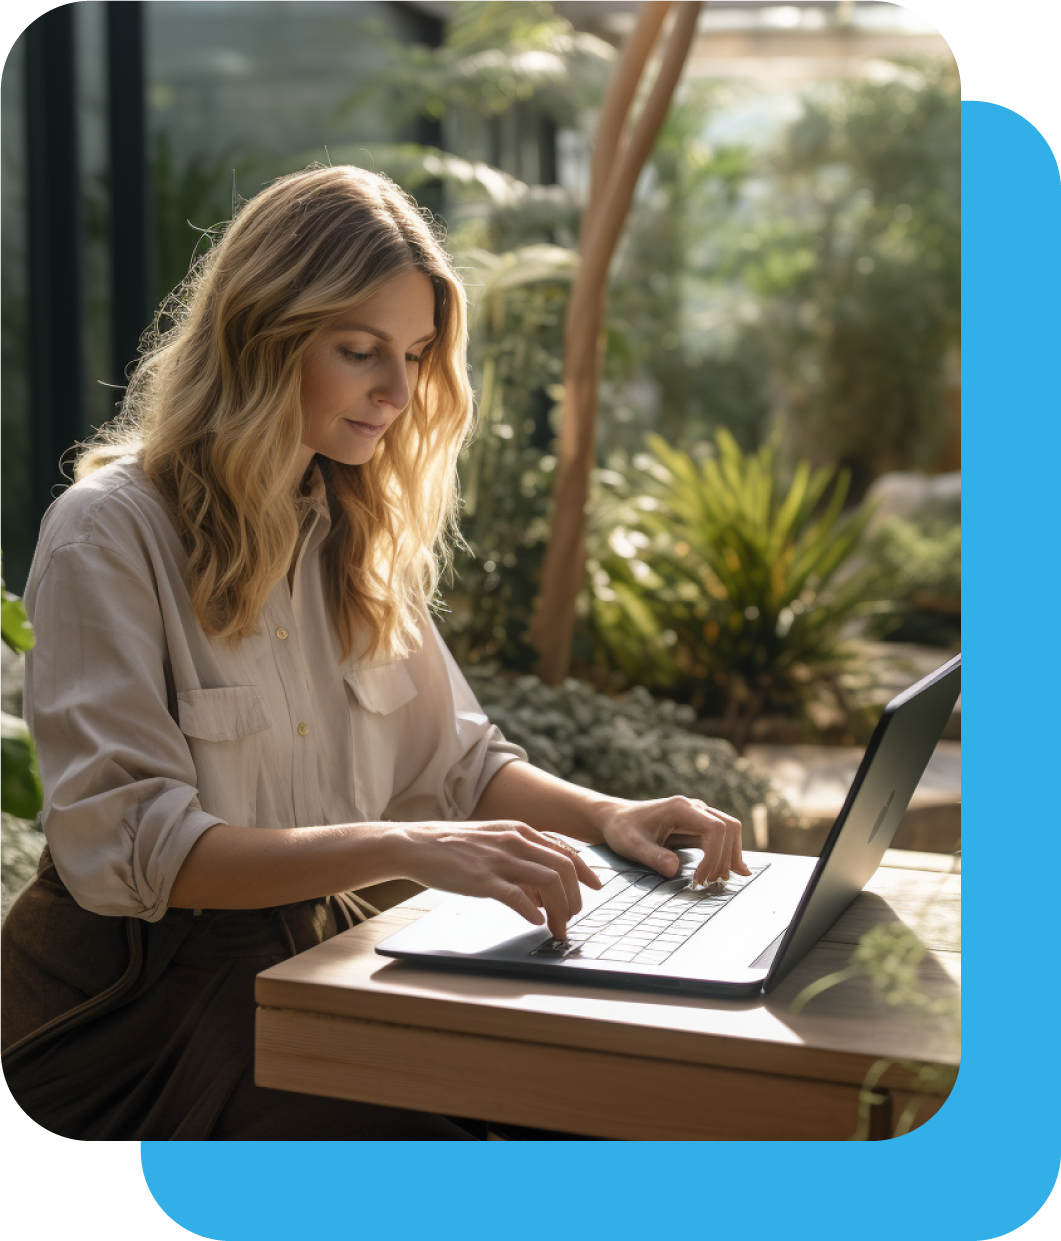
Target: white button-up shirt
{"x":149,"y":731}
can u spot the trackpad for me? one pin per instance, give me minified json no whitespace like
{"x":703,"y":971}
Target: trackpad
{"x":766,"y":958}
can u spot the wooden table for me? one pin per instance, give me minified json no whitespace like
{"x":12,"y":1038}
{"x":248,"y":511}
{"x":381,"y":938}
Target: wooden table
{"x":340,"y":1020}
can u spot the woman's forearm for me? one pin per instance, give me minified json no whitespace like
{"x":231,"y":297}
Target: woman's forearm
{"x":649,"y":832}
{"x":248,"y":868}
{"x":545,"y":802}
{"x":232,"y":867}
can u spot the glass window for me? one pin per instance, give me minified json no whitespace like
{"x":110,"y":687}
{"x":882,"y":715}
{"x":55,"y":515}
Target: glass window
{"x":14,"y":391}
{"x":258,"y":90}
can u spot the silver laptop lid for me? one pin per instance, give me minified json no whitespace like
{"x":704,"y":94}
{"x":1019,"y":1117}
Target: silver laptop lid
{"x":895,"y":760}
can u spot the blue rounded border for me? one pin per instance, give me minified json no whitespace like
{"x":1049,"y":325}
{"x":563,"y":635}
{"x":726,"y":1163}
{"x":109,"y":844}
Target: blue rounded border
{"x":987,"y":1162}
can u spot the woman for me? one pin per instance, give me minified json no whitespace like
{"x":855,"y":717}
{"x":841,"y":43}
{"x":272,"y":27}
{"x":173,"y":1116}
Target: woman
{"x":244,"y":714}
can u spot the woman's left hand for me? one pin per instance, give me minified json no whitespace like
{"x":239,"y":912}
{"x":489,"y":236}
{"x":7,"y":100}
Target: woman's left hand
{"x":649,"y":831}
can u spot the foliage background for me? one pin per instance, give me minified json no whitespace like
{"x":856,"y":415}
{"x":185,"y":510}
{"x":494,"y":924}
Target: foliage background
{"x":792,"y":281}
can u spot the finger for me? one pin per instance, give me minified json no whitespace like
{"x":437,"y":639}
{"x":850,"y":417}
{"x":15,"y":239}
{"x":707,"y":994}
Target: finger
{"x":662,"y":860}
{"x":561,"y":863}
{"x":564,"y":868}
{"x":533,"y":895}
{"x":736,"y":855}
{"x":732,"y":858}
{"x":515,"y":898}
{"x":553,"y":893}
{"x":727,"y":837}
{"x":523,"y":860}
{"x":584,"y":872}
{"x":710,"y":867}
{"x":711,"y":828}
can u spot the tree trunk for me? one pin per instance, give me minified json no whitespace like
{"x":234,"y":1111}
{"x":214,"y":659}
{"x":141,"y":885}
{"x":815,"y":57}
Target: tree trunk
{"x":613,"y":179}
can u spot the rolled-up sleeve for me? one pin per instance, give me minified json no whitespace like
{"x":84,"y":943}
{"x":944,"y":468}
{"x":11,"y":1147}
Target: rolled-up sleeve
{"x":486,"y":750}
{"x":121,"y":808}
{"x":466,"y":750}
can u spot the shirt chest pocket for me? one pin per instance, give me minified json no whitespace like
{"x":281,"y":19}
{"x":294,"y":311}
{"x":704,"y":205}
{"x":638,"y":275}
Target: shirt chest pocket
{"x":378,"y":726}
{"x":223,"y":728}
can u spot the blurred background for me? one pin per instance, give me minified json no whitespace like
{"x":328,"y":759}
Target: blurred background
{"x":775,"y":517}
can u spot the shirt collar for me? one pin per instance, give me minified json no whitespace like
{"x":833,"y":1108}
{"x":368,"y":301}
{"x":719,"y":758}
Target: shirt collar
{"x":316,"y":498}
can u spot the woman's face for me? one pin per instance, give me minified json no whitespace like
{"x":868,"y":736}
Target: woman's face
{"x":360,"y":377}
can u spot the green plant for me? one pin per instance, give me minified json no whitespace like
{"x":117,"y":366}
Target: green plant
{"x":191,"y":196}
{"x":633,"y":746}
{"x":506,"y":477}
{"x":725,"y":578}
{"x":20,"y":781}
{"x":495,"y":56}
{"x":920,"y":576}
{"x":853,"y":262}
{"x":729,"y":305}
{"x":661,"y":286}
{"x":502,"y":68}
{"x":890,"y":955}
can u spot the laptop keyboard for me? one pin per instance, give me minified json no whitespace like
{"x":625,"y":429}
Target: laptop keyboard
{"x":647,"y":919}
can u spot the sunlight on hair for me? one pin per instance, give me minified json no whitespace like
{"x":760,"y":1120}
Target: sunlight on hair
{"x":213,"y":411}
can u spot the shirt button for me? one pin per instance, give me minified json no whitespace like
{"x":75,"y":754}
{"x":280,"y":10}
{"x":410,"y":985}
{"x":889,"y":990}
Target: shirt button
{"x":303,"y":729}
{"x":281,"y":634}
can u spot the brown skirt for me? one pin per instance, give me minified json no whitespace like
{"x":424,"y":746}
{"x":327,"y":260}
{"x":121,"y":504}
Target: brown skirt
{"x":120,"y":1029}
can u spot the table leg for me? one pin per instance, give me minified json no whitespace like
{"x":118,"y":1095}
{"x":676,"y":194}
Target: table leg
{"x":881,"y":1122}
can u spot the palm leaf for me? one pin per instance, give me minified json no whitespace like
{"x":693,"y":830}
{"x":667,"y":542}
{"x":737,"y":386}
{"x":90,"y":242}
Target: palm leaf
{"x":17,"y":631}
{"x":20,"y":780}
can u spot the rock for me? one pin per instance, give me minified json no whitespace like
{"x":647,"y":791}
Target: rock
{"x":22,"y":841}
{"x":814,"y":781}
{"x":905,"y":495}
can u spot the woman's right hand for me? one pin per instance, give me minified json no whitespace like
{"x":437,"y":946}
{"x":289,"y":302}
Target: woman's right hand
{"x":505,"y":860}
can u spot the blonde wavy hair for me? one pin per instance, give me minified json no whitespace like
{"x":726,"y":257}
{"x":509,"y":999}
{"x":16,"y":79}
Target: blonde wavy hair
{"x":213,"y":412}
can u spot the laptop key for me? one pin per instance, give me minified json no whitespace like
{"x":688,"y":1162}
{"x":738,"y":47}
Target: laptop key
{"x":553,"y":948}
{"x":649,"y":917}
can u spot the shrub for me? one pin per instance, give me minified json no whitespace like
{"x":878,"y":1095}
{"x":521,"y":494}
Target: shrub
{"x":921,"y":577}
{"x":726,"y":581}
{"x":635,"y":746}
{"x":21,"y":793}
{"x":20,"y":781}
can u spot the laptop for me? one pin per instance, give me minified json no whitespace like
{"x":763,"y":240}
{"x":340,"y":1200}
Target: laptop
{"x":736,"y":939}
